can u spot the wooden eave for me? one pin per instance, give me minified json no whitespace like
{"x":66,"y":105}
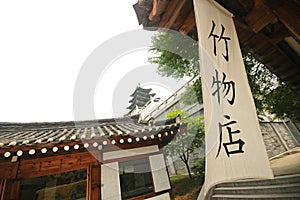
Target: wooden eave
{"x":35,"y":140}
{"x":75,"y":153}
{"x":266,"y":28}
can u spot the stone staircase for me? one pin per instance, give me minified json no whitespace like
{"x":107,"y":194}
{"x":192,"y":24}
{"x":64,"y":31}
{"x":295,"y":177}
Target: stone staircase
{"x":281,"y":187}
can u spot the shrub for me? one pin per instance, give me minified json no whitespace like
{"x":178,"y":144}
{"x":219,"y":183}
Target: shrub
{"x":199,"y":169}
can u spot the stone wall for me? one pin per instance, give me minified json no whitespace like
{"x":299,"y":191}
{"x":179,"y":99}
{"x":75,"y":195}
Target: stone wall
{"x":278,"y":137}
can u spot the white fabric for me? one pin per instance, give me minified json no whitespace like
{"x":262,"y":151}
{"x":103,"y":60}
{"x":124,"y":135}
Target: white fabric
{"x":234,"y":102}
{"x":159,"y":173}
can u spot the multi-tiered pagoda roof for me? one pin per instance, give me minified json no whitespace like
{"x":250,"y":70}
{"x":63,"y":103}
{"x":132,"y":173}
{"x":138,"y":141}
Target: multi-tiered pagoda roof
{"x":139,"y":98}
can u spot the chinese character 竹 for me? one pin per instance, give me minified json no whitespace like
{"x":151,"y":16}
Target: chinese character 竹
{"x":219,"y":37}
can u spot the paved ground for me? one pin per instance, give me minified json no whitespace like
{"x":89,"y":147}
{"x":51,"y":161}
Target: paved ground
{"x":287,"y":163}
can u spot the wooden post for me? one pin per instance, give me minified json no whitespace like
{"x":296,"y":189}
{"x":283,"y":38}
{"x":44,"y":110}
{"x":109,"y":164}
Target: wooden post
{"x":2,"y":189}
{"x":12,"y":190}
{"x":94,"y":182}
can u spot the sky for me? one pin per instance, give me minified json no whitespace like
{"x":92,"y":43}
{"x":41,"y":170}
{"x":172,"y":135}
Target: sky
{"x":43,"y":48}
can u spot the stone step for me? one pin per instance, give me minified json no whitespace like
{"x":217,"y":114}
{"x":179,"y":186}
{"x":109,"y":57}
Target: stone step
{"x":286,"y":179}
{"x":260,"y":189}
{"x":289,"y":196}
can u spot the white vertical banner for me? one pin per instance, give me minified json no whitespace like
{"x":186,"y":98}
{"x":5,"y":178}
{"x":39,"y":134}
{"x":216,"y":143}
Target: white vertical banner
{"x":234,"y":144}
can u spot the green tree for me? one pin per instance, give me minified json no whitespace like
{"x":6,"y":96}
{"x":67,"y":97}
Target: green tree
{"x":185,"y":143}
{"x":270,"y":94}
{"x":193,"y":93}
{"x":199,"y":170}
{"x":167,"y":48}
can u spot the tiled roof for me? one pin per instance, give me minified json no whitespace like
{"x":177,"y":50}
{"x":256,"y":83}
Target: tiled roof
{"x":139,"y":90}
{"x":139,"y":98}
{"x":18,"y":135}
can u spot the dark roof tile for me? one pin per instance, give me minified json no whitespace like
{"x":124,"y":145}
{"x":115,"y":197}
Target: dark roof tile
{"x":39,"y":134}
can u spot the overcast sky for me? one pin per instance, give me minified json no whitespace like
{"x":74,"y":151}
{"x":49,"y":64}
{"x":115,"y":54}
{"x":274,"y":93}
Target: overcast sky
{"x":43,"y":45}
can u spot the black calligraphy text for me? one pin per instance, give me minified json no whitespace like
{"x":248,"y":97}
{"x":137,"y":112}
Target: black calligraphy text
{"x":220,"y":37}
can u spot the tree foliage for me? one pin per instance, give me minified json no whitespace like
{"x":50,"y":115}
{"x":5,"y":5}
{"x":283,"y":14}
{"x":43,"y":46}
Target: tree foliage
{"x":193,"y":93}
{"x":185,"y":143}
{"x":199,"y":170}
{"x":176,"y":55}
{"x":175,"y":113}
{"x":270,"y":94}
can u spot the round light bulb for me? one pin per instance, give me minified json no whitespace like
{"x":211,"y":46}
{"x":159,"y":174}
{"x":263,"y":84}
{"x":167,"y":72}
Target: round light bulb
{"x":7,"y":154}
{"x":66,"y":148}
{"x":31,"y":152}
{"x":55,"y":149}
{"x":19,"y":153}
{"x":44,"y":150}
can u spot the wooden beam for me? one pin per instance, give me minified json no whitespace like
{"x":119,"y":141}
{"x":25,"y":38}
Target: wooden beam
{"x":6,"y":170}
{"x":280,"y":32}
{"x":158,"y":8}
{"x":168,"y":13}
{"x":3,"y":189}
{"x":46,"y":166}
{"x":258,"y":3}
{"x":248,"y":5}
{"x":144,"y":196}
{"x":12,"y":191}
{"x":94,"y":182}
{"x":184,"y":13}
{"x":270,"y":53}
{"x":188,"y":24}
{"x":175,"y":14}
{"x":260,"y":17}
{"x":288,"y":13}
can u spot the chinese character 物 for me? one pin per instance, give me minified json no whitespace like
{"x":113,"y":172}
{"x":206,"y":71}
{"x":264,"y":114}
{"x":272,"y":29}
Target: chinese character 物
{"x":227,"y":86}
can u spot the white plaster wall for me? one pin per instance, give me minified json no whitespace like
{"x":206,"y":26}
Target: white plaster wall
{"x":164,"y":196}
{"x":110,"y":189}
{"x":129,"y":152}
{"x":159,"y":173}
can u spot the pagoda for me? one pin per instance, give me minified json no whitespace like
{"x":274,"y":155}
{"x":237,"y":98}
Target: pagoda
{"x":140,"y":97}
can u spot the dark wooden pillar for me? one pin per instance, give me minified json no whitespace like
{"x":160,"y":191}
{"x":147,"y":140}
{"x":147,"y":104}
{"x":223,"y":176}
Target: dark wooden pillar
{"x":94,"y":182}
{"x":11,"y":186}
{"x":12,"y":189}
{"x":2,"y":188}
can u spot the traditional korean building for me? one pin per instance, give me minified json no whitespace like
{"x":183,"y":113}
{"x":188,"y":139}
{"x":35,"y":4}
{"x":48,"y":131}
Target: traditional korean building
{"x":139,"y":98}
{"x":118,"y":158}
